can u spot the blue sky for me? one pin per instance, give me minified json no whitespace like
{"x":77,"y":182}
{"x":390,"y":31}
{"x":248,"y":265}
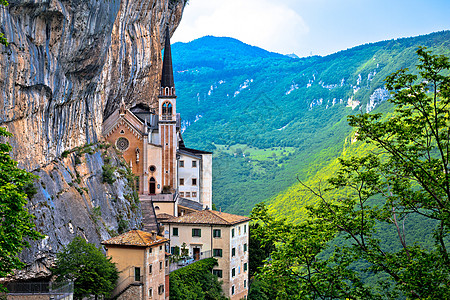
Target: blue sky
{"x":317,"y":27}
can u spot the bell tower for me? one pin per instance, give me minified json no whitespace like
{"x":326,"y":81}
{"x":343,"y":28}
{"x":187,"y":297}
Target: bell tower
{"x":168,"y":119}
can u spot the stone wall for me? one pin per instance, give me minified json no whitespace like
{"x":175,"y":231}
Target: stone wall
{"x":133,"y":292}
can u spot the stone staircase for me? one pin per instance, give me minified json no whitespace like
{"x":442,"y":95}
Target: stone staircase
{"x":149,"y":216}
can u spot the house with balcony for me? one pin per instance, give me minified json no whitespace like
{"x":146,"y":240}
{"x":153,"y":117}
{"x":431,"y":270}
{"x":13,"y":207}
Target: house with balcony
{"x":221,"y":235}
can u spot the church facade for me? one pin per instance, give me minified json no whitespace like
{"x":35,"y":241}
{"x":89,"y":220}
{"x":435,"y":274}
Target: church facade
{"x":170,"y":178}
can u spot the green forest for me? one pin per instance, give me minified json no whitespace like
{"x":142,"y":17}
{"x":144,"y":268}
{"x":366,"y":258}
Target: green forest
{"x":268,"y":117}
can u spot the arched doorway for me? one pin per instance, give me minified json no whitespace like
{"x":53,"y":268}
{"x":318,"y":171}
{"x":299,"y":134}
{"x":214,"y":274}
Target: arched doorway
{"x":152,"y":186}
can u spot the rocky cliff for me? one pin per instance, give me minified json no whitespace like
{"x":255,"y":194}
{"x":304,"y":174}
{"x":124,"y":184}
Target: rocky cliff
{"x":67,"y":67}
{"x":69,"y":63}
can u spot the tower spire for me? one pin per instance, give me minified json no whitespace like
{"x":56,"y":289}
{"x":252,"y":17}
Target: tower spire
{"x":167,"y":70}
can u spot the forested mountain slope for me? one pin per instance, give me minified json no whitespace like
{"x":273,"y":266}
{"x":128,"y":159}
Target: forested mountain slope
{"x":269,"y":117}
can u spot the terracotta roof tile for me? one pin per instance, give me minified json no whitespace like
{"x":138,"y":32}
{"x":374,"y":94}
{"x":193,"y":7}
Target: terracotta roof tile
{"x":135,"y":238}
{"x":208,"y":217}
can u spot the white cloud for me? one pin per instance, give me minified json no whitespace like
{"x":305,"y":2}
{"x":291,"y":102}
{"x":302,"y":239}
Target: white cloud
{"x":263,"y":23}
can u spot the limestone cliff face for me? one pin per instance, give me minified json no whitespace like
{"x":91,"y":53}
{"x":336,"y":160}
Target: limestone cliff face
{"x":68,"y":65}
{"x":73,"y":199}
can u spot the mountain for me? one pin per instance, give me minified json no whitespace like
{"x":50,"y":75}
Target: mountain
{"x":269,"y":118}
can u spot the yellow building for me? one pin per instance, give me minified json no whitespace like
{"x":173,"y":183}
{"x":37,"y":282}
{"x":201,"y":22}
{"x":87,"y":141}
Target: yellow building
{"x":141,"y":259}
{"x":224,"y":236}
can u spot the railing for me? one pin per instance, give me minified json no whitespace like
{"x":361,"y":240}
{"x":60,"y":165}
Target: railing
{"x":167,"y":117}
{"x":175,"y":265}
{"x":127,"y":280}
{"x":56,"y":291}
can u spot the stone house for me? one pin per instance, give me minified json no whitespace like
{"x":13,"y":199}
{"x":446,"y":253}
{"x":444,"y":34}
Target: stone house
{"x":141,"y":259}
{"x":222,"y":235}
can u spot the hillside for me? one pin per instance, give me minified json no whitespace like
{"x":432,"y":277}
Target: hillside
{"x":269,"y":117}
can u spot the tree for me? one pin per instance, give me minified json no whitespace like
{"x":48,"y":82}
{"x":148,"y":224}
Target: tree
{"x":196,"y":282}
{"x":16,"y":223}
{"x":407,"y":173}
{"x":90,"y":270}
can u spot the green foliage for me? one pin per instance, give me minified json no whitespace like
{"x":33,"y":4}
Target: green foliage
{"x":336,"y":252}
{"x":196,"y":282}
{"x":277,"y":109}
{"x":108,"y":173}
{"x":259,"y":247}
{"x":16,"y":223}
{"x":89,"y":269}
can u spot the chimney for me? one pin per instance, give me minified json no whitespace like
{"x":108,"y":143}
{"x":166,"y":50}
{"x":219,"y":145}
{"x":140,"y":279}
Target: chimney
{"x":153,"y":235}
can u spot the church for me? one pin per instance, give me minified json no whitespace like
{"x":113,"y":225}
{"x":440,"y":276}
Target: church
{"x":175,"y":190}
{"x":171,"y":179}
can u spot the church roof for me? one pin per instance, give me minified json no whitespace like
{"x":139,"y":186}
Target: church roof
{"x":136,"y":238}
{"x":167,"y":70}
{"x":208,"y":217}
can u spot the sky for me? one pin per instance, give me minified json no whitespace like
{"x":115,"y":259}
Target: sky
{"x":311,"y":27}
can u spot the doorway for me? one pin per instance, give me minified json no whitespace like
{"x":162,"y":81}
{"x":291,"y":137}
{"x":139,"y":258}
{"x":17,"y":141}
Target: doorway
{"x":196,"y":253}
{"x":152,"y":186}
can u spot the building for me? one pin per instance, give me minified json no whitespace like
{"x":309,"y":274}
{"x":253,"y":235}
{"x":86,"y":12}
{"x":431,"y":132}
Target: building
{"x":171,"y":178}
{"x":221,"y":235}
{"x":140,"y":258}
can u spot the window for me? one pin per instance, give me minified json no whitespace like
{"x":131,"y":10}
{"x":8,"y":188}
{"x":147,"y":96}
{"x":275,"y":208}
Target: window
{"x":233,"y":252}
{"x":137,"y":183}
{"x":218,"y":273}
{"x":232,"y":232}
{"x":122,"y":144}
{"x":161,"y":289}
{"x":194,"y":194}
{"x":150,"y":269}
{"x":233,"y":272}
{"x":181,"y":194}
{"x":152,"y":168}
{"x":245,"y":247}
{"x":196,"y":232}
{"x":245,"y":267}
{"x":245,"y":228}
{"x":167,"y":108}
{"x":217,"y":233}
{"x":245,"y":284}
{"x":175,"y":250}
{"x":156,"y":207}
{"x":232,"y":290}
{"x":188,"y":194}
{"x":160,"y":265}
{"x":239,"y":230}
{"x":150,"y":293}
{"x":150,"y":251}
{"x":181,"y":181}
{"x":181,"y":163}
{"x":217,"y":252}
{"x":175,"y":231}
{"x":160,"y":248}
{"x":167,"y":263}
{"x":194,"y":181}
{"x":194,"y":164}
{"x":137,"y":274}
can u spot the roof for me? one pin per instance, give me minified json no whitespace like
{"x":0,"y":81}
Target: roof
{"x":136,"y":238}
{"x":167,"y":70}
{"x":194,"y":151}
{"x":163,"y":216}
{"x":189,"y":203}
{"x":208,"y":217}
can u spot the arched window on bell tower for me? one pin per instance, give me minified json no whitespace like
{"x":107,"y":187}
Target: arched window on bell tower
{"x":167,"y":111}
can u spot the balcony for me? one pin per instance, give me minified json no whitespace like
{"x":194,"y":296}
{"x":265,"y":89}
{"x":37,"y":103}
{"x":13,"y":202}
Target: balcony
{"x":186,"y":261}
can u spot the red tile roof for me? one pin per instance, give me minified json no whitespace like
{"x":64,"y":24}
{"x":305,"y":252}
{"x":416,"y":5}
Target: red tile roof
{"x":135,"y":238}
{"x":208,"y":217}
